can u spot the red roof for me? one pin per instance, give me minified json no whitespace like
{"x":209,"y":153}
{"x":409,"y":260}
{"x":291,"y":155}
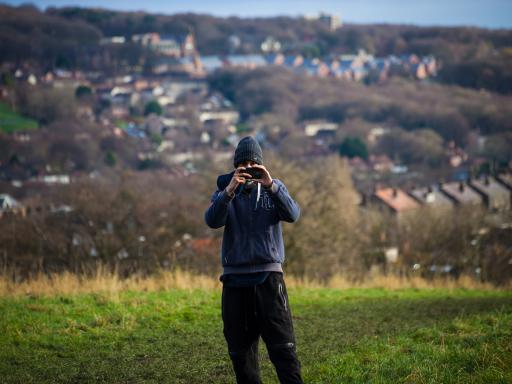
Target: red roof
{"x":396,"y":199}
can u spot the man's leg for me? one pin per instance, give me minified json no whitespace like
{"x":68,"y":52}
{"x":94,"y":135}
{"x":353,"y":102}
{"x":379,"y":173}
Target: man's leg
{"x":277,"y":328}
{"x":241,"y":333}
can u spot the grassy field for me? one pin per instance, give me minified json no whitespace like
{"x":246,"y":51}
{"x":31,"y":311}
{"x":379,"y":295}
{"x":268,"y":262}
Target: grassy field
{"x":175,"y":336}
{"x":11,"y":122}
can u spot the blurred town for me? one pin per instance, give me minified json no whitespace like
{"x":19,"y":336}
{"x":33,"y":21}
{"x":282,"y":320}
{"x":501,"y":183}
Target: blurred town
{"x":111,"y":143}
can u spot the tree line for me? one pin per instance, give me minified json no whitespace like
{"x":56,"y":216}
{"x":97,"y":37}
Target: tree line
{"x":147,"y":221}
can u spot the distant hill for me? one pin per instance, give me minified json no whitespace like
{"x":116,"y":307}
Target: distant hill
{"x":68,"y":37}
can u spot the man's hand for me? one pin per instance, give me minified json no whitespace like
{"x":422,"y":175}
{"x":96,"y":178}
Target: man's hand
{"x":266,"y":179}
{"x":238,"y":178}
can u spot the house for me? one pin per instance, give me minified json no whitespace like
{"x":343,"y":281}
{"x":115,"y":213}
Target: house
{"x":312,"y":128}
{"x":9,"y":205}
{"x":53,"y":179}
{"x":191,"y":64}
{"x":381,"y":163}
{"x":461,"y":194}
{"x":270,"y":44}
{"x":409,"y":58}
{"x":332,"y":22}
{"x":216,"y":107}
{"x":225,"y":116}
{"x":245,"y":61}
{"x":378,"y":69}
{"x":293,"y":61}
{"x":419,"y":71}
{"x":375,"y":134}
{"x":430,"y":65}
{"x":7,"y":202}
{"x":146,"y":39}
{"x":211,"y":63}
{"x":112,"y":40}
{"x":334,"y":65}
{"x":173,"y":46}
{"x":275,"y":59}
{"x":314,"y":67}
{"x":496,"y":196}
{"x":432,"y":197}
{"x":456,"y":155}
{"x":505,"y":179}
{"x":359,"y":74}
{"x":215,"y":101}
{"x":393,"y":200}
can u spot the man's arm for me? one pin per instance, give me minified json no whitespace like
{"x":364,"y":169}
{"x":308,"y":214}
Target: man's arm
{"x":287,"y":208}
{"x":217,"y":213}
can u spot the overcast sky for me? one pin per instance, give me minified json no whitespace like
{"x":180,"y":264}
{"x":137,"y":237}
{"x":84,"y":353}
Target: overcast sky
{"x":483,"y":13}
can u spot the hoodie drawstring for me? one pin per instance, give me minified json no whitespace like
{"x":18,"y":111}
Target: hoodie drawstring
{"x":258,"y":195}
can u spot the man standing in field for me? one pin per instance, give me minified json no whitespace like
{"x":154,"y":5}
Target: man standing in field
{"x":250,"y":205}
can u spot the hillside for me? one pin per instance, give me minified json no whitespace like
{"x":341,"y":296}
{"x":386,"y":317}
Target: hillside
{"x":70,"y":37}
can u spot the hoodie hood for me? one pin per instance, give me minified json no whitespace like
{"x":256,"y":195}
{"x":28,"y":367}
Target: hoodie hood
{"x":223,"y":180}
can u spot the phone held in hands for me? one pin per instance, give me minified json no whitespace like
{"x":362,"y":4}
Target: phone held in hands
{"x":254,"y":172}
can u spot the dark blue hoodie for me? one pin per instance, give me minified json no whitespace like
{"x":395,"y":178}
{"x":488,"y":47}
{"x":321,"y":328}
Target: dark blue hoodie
{"x":253,"y":239}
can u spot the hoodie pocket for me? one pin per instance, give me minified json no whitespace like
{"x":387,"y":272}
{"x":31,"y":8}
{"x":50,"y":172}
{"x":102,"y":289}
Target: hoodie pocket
{"x":233,"y":249}
{"x":264,"y":250}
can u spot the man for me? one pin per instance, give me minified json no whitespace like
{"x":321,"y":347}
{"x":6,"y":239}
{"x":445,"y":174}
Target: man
{"x":254,"y":296}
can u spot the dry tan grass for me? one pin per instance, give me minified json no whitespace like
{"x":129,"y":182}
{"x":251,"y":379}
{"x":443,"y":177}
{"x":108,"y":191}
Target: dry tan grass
{"x":103,"y":280}
{"x":106,"y":281}
{"x":392,"y":282}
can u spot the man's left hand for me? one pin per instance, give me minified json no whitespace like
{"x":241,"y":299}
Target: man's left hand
{"x":266,"y":179}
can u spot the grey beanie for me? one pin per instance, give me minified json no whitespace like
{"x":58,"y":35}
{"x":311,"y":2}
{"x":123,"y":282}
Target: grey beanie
{"x":248,"y":149}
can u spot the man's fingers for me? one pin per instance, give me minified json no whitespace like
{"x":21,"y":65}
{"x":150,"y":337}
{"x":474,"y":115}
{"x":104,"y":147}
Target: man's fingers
{"x":242,"y":174}
{"x":262,"y":167}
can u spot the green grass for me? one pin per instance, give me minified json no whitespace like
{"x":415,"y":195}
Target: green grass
{"x":12,"y":122}
{"x":350,"y":336}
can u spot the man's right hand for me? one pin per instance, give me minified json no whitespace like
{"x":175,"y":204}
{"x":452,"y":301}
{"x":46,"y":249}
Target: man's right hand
{"x":238,"y":178}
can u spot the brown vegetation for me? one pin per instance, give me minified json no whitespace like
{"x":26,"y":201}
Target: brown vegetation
{"x":105,"y":281}
{"x":139,"y":223}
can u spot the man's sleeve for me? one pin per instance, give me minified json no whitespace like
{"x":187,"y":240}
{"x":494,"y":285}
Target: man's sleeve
{"x":287,"y":208}
{"x":216,"y":214}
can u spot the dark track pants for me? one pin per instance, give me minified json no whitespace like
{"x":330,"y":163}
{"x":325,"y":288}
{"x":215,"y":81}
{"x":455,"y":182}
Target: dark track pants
{"x":247,"y":313}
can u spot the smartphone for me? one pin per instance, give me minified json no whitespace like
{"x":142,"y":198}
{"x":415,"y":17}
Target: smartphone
{"x":254,"y":172}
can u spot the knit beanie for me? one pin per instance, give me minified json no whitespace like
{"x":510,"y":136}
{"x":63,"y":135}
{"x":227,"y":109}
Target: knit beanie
{"x":248,"y":149}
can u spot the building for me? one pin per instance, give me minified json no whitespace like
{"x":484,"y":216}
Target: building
{"x":312,"y":128}
{"x":245,"y":61}
{"x":8,"y":205}
{"x":496,"y":196}
{"x":332,"y":22}
{"x":174,"y":46}
{"x":393,"y":200}
{"x":270,"y":44}
{"x":432,"y":197}
{"x":381,"y":163}
{"x":461,"y":193}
